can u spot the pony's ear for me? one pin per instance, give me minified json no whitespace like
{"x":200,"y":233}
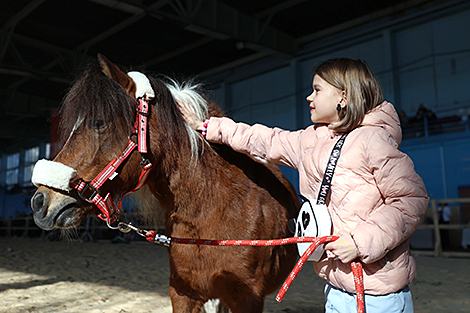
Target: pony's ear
{"x":115,"y":73}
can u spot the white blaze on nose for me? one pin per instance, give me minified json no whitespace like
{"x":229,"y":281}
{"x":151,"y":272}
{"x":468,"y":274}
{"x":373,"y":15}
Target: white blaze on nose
{"x":53,"y":174}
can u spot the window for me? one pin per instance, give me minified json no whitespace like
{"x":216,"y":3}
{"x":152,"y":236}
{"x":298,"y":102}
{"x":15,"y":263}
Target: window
{"x":30,"y":158}
{"x":12,"y":170}
{"x":48,"y":151}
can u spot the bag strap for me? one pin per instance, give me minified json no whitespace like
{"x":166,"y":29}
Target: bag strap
{"x":330,"y":169}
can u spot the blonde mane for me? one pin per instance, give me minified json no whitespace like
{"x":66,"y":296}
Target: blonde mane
{"x":188,"y":93}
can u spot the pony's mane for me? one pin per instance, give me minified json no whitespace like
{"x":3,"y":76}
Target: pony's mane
{"x":95,"y":97}
{"x":190,"y":93}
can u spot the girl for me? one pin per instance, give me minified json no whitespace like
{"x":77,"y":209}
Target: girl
{"x":376,"y":201}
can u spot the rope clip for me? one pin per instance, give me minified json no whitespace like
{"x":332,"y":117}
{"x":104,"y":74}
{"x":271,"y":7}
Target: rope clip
{"x":125,"y":228}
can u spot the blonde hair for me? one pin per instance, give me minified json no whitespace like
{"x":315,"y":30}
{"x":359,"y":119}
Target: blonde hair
{"x":355,"y":78}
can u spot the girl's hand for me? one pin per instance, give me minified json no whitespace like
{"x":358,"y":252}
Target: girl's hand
{"x":344,"y":248}
{"x":190,"y":116}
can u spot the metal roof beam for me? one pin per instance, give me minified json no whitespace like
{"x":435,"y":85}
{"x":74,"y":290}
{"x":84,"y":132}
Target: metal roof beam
{"x":218,"y":20}
{"x":178,"y":51}
{"x":215,"y":19}
{"x":237,"y":63}
{"x":278,"y":8}
{"x":222,"y":23}
{"x":361,"y":20}
{"x":13,"y":21}
{"x":83,"y":48}
{"x":30,"y":7}
{"x":120,"y":5}
{"x":27,"y":70}
{"x":29,"y":73}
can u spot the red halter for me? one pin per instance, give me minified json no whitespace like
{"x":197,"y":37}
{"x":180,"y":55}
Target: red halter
{"x":90,"y":191}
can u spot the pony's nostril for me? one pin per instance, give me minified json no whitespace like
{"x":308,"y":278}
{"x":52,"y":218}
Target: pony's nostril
{"x":38,"y":202}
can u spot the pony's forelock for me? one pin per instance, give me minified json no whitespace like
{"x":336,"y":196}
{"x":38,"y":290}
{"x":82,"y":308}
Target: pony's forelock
{"x":93,"y":96}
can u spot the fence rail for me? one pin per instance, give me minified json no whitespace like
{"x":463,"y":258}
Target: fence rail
{"x":91,"y":229}
{"x":19,"y":226}
{"x":438,"y":251}
{"x":25,"y":226}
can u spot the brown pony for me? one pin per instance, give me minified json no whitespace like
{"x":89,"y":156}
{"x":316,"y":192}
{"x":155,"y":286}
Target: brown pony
{"x":208,"y":191}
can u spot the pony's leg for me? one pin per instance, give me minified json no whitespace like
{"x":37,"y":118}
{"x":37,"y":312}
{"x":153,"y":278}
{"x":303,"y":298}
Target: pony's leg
{"x":211,"y":306}
{"x":247,"y":304}
{"x":184,"y":304}
{"x":237,"y":295}
{"x":214,"y":306}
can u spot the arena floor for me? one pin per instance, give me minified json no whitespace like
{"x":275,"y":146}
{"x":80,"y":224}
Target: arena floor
{"x":43,"y":276}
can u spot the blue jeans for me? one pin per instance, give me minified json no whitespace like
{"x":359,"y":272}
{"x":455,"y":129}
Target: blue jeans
{"x":341,"y":301}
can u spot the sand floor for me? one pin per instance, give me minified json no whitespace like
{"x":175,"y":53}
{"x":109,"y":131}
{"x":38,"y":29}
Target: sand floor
{"x":42,"y":276}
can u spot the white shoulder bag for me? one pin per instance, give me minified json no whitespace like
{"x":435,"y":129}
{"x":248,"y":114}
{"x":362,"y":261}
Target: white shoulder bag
{"x":314,"y":219}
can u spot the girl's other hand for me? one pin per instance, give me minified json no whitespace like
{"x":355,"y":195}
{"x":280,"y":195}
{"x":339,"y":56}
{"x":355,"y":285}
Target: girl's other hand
{"x":190,"y":116}
{"x":344,"y":248}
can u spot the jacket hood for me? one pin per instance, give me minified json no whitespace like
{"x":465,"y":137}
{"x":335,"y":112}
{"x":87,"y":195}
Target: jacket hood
{"x":386,"y":117}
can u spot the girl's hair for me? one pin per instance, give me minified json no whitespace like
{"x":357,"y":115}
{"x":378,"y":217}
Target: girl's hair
{"x":363,"y":92}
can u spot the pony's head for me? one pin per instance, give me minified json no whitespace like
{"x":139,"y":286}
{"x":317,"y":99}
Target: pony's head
{"x":99,"y":121}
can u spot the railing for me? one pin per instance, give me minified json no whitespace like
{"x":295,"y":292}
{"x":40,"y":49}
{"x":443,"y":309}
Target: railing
{"x":438,"y":251}
{"x":92,"y":228}
{"x":19,"y":227}
{"x":413,"y":128}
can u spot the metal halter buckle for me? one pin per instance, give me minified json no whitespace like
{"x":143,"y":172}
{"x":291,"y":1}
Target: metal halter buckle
{"x":92,"y":190}
{"x":144,"y":162}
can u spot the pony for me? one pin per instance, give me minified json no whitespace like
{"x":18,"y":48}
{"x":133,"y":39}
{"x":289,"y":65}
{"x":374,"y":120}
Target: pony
{"x":207,"y":191}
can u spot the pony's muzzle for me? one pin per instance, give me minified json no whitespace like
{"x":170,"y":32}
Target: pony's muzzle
{"x":39,"y":202}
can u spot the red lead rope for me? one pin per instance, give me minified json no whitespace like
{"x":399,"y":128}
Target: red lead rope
{"x":153,"y":236}
{"x":359,"y":283}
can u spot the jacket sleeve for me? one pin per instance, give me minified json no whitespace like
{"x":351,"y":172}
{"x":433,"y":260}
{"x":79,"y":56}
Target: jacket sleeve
{"x":404,"y":198}
{"x":271,"y":144}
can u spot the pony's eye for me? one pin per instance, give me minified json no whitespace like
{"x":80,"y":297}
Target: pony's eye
{"x":96,"y":124}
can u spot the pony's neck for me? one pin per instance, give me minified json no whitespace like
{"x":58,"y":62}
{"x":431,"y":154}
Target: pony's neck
{"x":183,"y":159}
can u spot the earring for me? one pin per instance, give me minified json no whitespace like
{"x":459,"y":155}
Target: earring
{"x":339,"y":108}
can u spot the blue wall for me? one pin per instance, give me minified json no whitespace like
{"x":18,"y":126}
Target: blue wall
{"x":442,"y":161}
{"x":422,"y":57}
{"x":14,"y":204}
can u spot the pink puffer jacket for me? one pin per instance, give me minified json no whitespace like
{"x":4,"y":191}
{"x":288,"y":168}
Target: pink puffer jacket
{"x":375,"y":194}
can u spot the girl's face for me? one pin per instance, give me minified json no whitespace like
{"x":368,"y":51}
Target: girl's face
{"x":323,"y":102}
